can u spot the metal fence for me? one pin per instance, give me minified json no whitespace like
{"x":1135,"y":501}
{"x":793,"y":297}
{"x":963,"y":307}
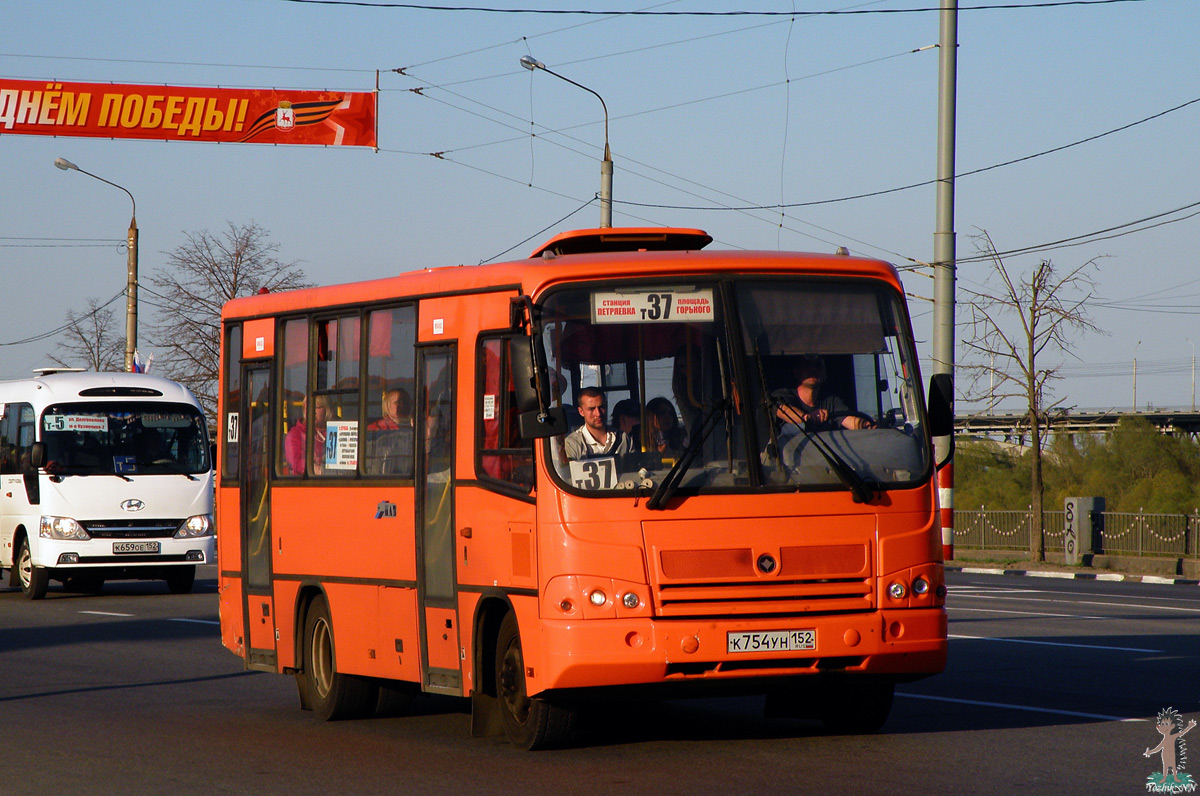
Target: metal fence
{"x":1114,"y":533}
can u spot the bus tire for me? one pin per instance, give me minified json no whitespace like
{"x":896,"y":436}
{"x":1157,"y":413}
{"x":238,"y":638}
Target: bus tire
{"x":33,"y":579}
{"x":331,"y":694}
{"x":180,"y":580}
{"x":529,"y":722}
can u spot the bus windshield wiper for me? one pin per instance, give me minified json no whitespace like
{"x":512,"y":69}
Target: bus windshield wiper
{"x":864,"y":490}
{"x":674,"y":476}
{"x":176,"y":468}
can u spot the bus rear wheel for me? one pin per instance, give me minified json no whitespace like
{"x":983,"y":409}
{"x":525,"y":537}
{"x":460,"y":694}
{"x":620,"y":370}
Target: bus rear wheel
{"x":529,"y":722}
{"x":33,"y":579}
{"x":329,"y":693}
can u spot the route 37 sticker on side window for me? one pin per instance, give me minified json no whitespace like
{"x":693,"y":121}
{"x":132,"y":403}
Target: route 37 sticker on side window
{"x":654,"y":305}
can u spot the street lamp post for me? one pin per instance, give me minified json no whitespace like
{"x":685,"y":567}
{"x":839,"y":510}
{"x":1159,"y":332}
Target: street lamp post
{"x":132,"y":265}
{"x":1135,"y":348}
{"x":606,"y":165}
{"x":1193,"y":345}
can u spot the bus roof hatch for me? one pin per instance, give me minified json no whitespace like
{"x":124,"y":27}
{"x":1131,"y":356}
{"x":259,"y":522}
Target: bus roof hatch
{"x":623,"y":239}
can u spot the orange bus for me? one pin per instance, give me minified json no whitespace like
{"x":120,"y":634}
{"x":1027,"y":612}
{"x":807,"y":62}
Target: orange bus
{"x":425,"y":485}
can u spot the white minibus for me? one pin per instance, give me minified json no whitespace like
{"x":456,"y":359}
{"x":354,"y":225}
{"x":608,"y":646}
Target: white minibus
{"x":103,"y":476}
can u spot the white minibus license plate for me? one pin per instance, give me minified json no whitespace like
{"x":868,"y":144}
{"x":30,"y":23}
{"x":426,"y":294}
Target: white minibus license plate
{"x":771,"y":641}
{"x":135,"y":547}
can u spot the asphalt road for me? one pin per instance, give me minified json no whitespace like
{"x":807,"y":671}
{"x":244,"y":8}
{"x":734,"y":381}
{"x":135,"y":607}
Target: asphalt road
{"x":1053,"y":687}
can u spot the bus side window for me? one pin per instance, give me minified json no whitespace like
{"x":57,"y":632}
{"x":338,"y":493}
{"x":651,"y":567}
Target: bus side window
{"x":501,"y":453}
{"x":335,"y":426}
{"x":293,"y":389}
{"x":8,"y":439}
{"x":233,"y":402}
{"x":17,"y":438}
{"x":391,"y":364}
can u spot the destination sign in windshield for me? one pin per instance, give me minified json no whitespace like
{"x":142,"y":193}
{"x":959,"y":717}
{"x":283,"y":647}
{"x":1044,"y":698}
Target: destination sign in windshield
{"x":652,"y":306}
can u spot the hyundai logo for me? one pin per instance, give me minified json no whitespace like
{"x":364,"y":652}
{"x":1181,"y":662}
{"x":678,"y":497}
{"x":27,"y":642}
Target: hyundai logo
{"x":133,"y":505}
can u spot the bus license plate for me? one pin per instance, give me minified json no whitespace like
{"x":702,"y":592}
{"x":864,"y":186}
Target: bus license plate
{"x":135,"y":547}
{"x":771,"y":641}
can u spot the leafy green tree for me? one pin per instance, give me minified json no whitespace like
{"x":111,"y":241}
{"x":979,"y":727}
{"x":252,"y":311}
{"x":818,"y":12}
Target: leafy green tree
{"x":1134,"y":468}
{"x":990,"y":475}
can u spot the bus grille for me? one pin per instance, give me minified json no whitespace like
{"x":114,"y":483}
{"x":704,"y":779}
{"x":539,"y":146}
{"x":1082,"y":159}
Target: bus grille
{"x":728,"y":582}
{"x":131,"y":529}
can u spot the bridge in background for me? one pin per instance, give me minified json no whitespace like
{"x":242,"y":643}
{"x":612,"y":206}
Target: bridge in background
{"x":1015,"y":427}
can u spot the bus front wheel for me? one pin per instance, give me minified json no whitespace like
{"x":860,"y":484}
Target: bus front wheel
{"x":33,"y":579}
{"x":330,"y":694}
{"x":529,"y":722}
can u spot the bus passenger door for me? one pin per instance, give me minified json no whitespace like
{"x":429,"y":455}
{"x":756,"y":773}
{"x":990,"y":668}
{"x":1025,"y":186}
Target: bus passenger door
{"x":436,"y":576}
{"x":258,"y":610}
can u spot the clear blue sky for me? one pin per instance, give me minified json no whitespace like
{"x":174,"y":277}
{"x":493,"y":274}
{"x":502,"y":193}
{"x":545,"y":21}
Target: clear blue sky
{"x":729,"y":111}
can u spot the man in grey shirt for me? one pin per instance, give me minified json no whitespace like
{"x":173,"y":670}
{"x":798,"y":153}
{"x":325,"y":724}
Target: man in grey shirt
{"x":594,"y":437}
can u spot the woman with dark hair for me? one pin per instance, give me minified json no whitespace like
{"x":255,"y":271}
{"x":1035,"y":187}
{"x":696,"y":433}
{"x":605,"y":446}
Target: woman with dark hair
{"x":666,"y":433}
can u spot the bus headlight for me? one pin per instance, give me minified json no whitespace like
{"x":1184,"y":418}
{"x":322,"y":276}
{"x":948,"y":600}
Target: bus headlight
{"x":62,"y":528}
{"x":195,"y":526}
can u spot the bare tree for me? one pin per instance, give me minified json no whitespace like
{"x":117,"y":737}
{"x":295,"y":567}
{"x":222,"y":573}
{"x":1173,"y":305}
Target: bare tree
{"x":1014,"y":331}
{"x":90,"y":340}
{"x":189,"y":291}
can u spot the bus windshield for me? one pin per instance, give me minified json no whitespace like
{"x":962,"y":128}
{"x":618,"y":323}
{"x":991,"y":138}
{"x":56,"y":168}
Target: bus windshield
{"x":754,"y":384}
{"x":124,"y":438}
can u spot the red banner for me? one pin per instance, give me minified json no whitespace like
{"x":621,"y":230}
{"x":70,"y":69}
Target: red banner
{"x":254,"y":116}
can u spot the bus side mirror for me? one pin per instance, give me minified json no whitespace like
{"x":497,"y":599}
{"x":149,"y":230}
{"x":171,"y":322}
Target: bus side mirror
{"x":941,"y":405}
{"x":535,"y":419}
{"x":37,"y":455}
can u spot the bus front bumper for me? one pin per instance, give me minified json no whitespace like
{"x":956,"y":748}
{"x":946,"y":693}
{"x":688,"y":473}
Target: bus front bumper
{"x":906,"y":644}
{"x":108,"y":553}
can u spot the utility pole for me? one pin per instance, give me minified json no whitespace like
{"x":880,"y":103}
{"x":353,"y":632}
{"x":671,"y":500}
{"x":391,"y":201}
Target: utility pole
{"x":945,"y":254}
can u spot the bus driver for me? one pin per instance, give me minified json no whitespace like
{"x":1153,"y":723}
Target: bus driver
{"x":594,"y":437}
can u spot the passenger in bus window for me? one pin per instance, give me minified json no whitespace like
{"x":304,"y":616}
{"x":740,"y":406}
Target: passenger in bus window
{"x":594,"y":437}
{"x":667,"y":435}
{"x":804,"y":406}
{"x":397,"y":411}
{"x":627,"y":419}
{"x":294,"y":442}
{"x":390,"y":438}
{"x":148,"y":447}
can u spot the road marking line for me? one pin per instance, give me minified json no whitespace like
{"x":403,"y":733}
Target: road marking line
{"x":1025,"y":613}
{"x":1104,"y":603}
{"x":1018,"y":707}
{"x":1054,"y":644}
{"x":105,"y":613}
{"x":195,"y":621}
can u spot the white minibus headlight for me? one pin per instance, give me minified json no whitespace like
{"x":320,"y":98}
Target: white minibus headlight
{"x":62,"y":528}
{"x":194,"y":526}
